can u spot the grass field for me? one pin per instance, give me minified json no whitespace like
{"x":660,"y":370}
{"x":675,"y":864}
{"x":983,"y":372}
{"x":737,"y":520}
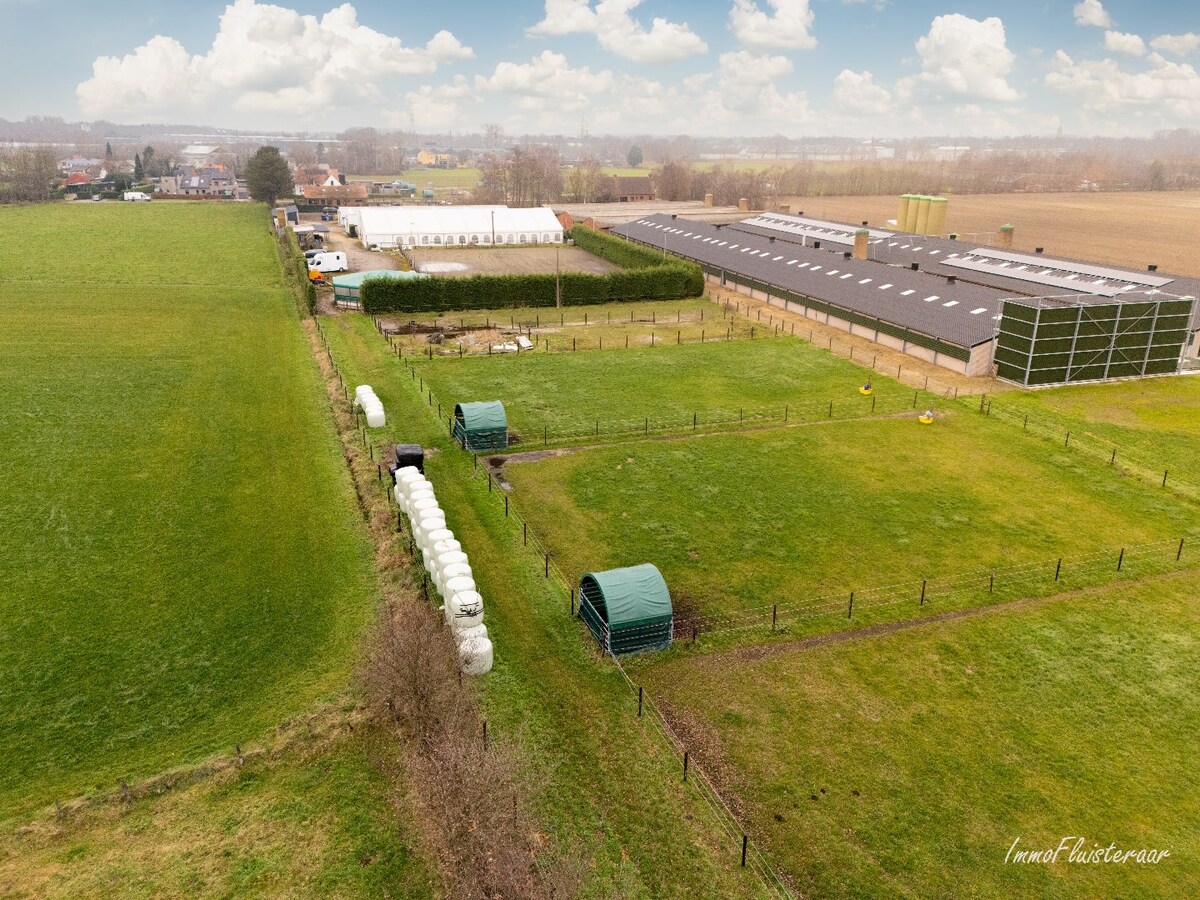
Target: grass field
{"x":567,"y":393}
{"x":1155,"y":421}
{"x":179,"y":544}
{"x":612,"y":798}
{"x":1073,"y":225}
{"x":313,"y":822}
{"x":738,"y":522}
{"x":907,"y":764}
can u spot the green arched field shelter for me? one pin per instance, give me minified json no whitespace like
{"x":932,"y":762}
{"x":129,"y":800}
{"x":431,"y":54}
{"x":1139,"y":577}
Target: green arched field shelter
{"x":481,"y":426}
{"x":627,"y":609}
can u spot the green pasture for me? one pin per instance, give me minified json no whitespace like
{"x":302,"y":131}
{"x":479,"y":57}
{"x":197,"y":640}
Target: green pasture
{"x":610,"y":797}
{"x":180,"y":548}
{"x":566,"y":394}
{"x":907,"y":764}
{"x":739,"y":522}
{"x":315,"y":821}
{"x":1154,"y":422}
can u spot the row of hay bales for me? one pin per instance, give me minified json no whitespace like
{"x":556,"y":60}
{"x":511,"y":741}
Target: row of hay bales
{"x":372,"y":406}
{"x":448,"y":567}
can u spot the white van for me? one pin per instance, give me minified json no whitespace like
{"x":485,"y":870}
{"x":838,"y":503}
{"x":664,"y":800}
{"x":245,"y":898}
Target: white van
{"x":329,"y":262}
{"x":135,"y":196}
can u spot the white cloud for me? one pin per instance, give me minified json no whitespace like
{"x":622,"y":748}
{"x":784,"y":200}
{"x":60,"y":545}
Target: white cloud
{"x":962,"y":58}
{"x":1165,"y":91}
{"x":1092,"y":12}
{"x":264,"y":58}
{"x":746,"y":89}
{"x":547,"y":82}
{"x":618,"y":32}
{"x":1178,"y":44}
{"x":788,"y":29}
{"x":439,"y":106}
{"x":857,"y":94}
{"x":1119,"y":42}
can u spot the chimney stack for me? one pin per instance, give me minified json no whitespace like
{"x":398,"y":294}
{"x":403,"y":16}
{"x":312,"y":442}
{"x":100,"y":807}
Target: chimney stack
{"x":744,"y":205}
{"x":708,"y":199}
{"x":862,"y":240}
{"x":785,"y":208}
{"x":1006,"y":237}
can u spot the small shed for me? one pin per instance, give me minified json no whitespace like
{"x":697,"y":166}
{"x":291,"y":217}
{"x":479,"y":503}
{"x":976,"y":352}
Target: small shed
{"x":628,"y":610}
{"x":481,"y":426}
{"x":347,"y":288}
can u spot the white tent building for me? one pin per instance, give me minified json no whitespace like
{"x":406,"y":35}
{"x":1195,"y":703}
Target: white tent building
{"x":451,"y":226}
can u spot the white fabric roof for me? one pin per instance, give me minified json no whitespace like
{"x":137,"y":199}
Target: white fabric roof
{"x":452,"y":220}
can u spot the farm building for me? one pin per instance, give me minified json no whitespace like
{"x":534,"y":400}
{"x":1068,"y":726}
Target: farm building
{"x":481,"y":426}
{"x":940,"y":299}
{"x":627,"y":610}
{"x":346,"y":288}
{"x":450,"y":226}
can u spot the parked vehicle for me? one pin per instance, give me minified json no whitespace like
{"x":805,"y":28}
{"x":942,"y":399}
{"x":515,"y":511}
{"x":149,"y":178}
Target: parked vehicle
{"x":136,"y":196}
{"x":329,"y":213}
{"x":329,"y":261}
{"x":97,"y":197}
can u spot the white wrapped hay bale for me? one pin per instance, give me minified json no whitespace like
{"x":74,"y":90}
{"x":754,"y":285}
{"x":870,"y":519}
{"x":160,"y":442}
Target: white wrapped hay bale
{"x":362,"y":392}
{"x":471,"y":633}
{"x":475,"y":656}
{"x":455,"y":570}
{"x":464,"y":609}
{"x":459,"y":584}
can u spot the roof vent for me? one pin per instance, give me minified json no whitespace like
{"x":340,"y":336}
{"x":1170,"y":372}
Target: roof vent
{"x":864,"y":222}
{"x":674,"y":215}
{"x":916,"y":267}
{"x":954,"y":237}
{"x":847,"y":255}
{"x":816,"y":245}
{"x":951,"y":279}
{"x":771,"y":239}
{"x":1039,"y":249}
{"x":1151,"y":268}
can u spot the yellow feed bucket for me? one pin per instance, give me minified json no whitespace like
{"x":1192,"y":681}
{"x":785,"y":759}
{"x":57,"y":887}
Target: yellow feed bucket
{"x":926,"y":418}
{"x":865,"y":390}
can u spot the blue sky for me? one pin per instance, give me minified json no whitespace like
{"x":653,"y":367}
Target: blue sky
{"x":792,"y":67}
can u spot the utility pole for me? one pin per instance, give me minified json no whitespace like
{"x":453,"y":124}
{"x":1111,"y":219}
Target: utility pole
{"x":557,"y":281}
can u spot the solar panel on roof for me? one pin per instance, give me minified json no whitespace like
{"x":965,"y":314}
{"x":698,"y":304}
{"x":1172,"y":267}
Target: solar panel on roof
{"x":1042,"y":278}
{"x":1122,"y":275}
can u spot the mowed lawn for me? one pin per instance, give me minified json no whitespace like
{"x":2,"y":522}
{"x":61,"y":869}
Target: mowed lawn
{"x":667,"y":384}
{"x":908,"y":764}
{"x":743,"y":521}
{"x":179,"y":550}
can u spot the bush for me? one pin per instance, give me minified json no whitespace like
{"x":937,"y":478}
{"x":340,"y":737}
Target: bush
{"x":645,"y":275}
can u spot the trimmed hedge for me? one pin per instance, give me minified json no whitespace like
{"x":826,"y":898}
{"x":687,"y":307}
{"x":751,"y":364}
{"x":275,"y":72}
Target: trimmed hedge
{"x":645,"y":276}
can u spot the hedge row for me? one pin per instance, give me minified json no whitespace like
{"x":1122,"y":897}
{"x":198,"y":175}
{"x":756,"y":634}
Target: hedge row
{"x":295,"y":272}
{"x":645,"y":276}
{"x":513,"y":291}
{"x":617,"y":251}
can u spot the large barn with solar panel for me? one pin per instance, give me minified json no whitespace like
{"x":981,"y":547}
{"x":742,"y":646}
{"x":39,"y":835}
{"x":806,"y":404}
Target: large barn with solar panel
{"x":1029,"y":318}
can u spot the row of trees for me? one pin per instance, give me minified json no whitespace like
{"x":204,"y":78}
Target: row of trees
{"x":27,"y":174}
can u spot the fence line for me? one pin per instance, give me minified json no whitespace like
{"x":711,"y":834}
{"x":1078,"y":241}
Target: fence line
{"x":1101,"y":448}
{"x":784,"y":326}
{"x":861,"y":408}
